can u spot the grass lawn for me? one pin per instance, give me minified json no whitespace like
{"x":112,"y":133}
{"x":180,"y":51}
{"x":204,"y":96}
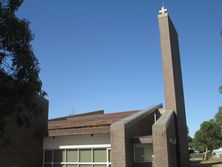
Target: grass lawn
{"x":208,"y":163}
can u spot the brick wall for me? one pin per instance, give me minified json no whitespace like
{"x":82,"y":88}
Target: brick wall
{"x":164,"y":141}
{"x":139,"y":124}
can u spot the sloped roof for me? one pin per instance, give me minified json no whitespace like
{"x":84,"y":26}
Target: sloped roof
{"x":85,"y":124}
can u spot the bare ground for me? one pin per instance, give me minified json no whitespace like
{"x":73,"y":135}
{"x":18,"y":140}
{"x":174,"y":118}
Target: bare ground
{"x":208,"y":163}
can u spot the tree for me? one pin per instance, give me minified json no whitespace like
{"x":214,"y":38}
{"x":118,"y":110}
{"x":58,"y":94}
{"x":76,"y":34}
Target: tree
{"x":189,"y":138}
{"x":208,"y":137}
{"x":19,"y":70}
{"x":190,"y":142}
{"x":220,"y":89}
{"x":218,"y":117}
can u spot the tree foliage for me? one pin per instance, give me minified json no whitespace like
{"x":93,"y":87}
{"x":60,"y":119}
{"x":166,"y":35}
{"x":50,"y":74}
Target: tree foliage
{"x":19,"y":70}
{"x":190,"y":142}
{"x":218,"y":117}
{"x":208,"y":136}
{"x":220,"y":89}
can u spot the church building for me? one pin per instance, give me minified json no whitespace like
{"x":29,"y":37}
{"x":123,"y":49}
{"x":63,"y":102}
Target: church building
{"x":155,"y":136}
{"x":152,"y":137}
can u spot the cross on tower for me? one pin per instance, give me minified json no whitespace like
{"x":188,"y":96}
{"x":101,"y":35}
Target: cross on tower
{"x":163,"y":10}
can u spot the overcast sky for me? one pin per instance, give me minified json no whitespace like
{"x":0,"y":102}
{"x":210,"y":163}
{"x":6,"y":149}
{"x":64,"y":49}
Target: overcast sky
{"x":105,"y":54}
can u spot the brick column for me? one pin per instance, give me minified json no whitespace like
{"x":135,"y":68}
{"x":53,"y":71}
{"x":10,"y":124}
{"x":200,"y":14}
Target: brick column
{"x":174,"y":97}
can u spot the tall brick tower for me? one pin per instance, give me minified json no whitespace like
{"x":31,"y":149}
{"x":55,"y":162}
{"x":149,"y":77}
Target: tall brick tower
{"x":174,"y":97}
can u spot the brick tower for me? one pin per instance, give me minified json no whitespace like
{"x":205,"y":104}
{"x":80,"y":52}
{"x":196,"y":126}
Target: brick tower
{"x":174,"y":97}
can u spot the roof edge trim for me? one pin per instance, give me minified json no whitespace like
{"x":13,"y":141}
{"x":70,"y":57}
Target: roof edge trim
{"x":139,"y":115}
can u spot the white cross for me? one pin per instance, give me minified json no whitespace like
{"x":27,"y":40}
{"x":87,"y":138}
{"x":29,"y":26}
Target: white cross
{"x":163,"y":10}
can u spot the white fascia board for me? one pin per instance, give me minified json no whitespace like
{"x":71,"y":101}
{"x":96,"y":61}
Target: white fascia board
{"x":85,"y":146}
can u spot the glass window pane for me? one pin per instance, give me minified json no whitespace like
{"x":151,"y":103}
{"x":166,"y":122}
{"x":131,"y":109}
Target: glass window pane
{"x":148,"y":152}
{"x":71,"y":155}
{"x":59,"y":155}
{"x":47,"y":165}
{"x":85,"y":155}
{"x":99,"y":166}
{"x":99,"y":155}
{"x":85,"y":165}
{"x":48,"y":156}
{"x":139,"y":154}
{"x":59,"y":165}
{"x":71,"y":165}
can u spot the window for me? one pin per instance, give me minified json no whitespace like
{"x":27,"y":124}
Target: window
{"x":47,"y":165}
{"x":71,"y":156}
{"x":48,"y":156}
{"x":139,"y":154}
{"x":109,"y":155}
{"x":59,"y":165}
{"x":87,"y":157}
{"x":59,"y":155}
{"x":99,"y":155}
{"x":143,"y":152}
